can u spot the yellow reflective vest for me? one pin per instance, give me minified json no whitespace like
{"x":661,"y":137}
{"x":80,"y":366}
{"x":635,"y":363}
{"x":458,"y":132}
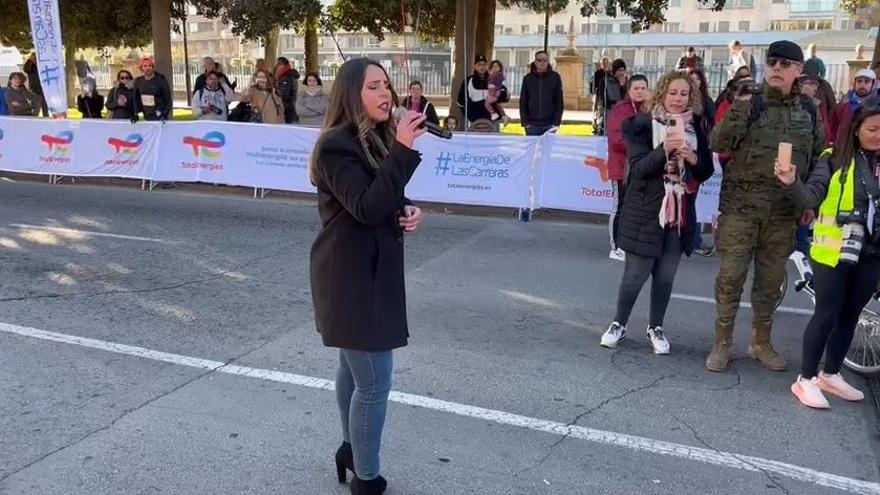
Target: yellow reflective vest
{"x":827,"y":234}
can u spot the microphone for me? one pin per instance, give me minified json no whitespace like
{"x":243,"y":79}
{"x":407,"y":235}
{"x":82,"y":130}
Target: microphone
{"x":432,"y":128}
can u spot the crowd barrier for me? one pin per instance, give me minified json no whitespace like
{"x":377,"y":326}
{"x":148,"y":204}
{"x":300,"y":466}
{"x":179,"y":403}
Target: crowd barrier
{"x":472,"y":169}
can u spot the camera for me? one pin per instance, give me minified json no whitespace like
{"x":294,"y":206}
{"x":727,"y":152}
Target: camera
{"x":747,"y":87}
{"x":853,"y":236}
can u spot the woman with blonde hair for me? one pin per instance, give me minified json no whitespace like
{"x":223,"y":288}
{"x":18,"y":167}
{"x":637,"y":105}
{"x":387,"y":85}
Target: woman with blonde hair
{"x":669,"y":156}
{"x":264,"y":102}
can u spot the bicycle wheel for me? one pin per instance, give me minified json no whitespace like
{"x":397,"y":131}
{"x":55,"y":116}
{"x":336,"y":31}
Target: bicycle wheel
{"x":863,"y":356}
{"x":782,"y":289}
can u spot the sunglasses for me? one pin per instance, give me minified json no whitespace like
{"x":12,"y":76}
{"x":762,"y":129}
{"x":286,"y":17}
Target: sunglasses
{"x":783,"y":62}
{"x":542,"y":60}
{"x":125,"y":78}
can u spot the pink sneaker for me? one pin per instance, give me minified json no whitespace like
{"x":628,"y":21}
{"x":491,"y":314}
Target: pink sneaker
{"x":836,"y":385}
{"x":808,"y":392}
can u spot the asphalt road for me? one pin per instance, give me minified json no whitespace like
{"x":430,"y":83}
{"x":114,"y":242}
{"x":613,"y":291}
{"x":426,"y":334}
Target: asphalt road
{"x":204,"y":374}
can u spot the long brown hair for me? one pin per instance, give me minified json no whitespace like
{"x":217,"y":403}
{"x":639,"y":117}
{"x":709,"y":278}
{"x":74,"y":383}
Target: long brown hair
{"x":345,"y":109}
{"x":695,"y":97}
{"x":851,"y":145}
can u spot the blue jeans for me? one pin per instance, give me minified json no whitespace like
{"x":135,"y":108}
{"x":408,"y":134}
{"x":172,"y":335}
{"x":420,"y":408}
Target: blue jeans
{"x":698,"y":235}
{"x":802,"y":240}
{"x":537,"y":130}
{"x":363,"y":383}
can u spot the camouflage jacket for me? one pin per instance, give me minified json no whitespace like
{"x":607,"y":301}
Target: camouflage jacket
{"x":749,"y":186}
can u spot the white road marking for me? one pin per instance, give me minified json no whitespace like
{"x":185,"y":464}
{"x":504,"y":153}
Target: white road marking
{"x":659,"y":447}
{"x":711,"y":300}
{"x":88,"y":233}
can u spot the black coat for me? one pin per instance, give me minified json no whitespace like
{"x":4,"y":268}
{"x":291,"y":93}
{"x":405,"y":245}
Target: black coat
{"x":540,"y":100}
{"x":640,"y":231}
{"x":425,"y":107}
{"x":124,"y":111}
{"x":357,"y":260}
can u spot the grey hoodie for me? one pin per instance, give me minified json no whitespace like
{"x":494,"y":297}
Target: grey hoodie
{"x":311,"y":109}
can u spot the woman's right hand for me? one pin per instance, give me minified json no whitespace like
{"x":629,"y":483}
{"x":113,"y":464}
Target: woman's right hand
{"x":408,"y":128}
{"x":673,"y":143}
{"x":786,"y":175}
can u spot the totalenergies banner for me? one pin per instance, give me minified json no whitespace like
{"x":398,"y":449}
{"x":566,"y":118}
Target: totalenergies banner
{"x":46,"y":31}
{"x":476,"y":169}
{"x":236,"y":154}
{"x":79,"y":147}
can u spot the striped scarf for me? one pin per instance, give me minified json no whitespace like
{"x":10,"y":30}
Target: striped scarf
{"x":677,"y":182}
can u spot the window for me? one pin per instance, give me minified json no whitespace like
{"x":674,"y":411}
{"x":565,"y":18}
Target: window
{"x":655,"y":28}
{"x":525,"y":29}
{"x":503,"y":56}
{"x":671,"y":27}
{"x":629,"y":56}
{"x":626,"y":28}
{"x":585,"y":28}
{"x":356,"y":42}
{"x":194,"y":27}
{"x":374,"y":42}
{"x":778,"y":1}
{"x":499,"y":29}
{"x":704,"y":27}
{"x":289,"y":42}
{"x":746,"y":4}
{"x":508,"y":30}
{"x":720,"y":56}
{"x":723,"y":26}
{"x":540,"y":29}
{"x":674,"y":3}
{"x":604,"y":28}
{"x":744,"y":26}
{"x":651,"y":57}
{"x":672,"y":55}
{"x":205,"y":26}
{"x":559,"y":29}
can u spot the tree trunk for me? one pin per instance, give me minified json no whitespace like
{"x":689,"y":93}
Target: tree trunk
{"x":311,"y":42}
{"x":73,"y":87}
{"x":876,"y":57}
{"x":271,"y":49}
{"x":160,"y":19}
{"x":465,"y":31}
{"x":484,"y":42}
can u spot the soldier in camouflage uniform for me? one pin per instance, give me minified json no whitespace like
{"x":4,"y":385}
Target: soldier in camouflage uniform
{"x":758,"y":221}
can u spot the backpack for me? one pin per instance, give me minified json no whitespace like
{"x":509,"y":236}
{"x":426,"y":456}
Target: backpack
{"x":759,"y":105}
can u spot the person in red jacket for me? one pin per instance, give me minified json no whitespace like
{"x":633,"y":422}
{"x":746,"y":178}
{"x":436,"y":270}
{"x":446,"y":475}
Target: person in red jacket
{"x":617,"y":164}
{"x":844,"y":111}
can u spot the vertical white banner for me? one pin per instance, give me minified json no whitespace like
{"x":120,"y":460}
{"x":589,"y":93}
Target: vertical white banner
{"x":46,"y":32}
{"x":710,"y":194}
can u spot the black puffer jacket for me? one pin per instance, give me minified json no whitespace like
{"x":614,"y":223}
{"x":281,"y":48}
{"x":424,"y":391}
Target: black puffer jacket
{"x":640,"y":230}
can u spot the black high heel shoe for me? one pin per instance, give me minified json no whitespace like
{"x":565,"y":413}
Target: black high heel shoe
{"x":344,"y":460}
{"x":371,"y":487}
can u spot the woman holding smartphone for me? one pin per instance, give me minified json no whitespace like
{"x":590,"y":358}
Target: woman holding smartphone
{"x":360,"y":165}
{"x":669,"y":156}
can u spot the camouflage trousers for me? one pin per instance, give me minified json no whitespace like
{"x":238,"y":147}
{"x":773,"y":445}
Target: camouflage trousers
{"x":741,"y":240}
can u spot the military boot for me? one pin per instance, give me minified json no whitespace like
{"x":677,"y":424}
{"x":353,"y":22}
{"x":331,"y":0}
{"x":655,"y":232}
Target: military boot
{"x":719,"y":359}
{"x":761,"y":349}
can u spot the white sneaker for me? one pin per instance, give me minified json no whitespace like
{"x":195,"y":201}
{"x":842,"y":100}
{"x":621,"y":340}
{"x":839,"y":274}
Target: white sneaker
{"x":809,"y":393}
{"x":658,"y":340}
{"x":613,"y":336}
{"x":617,"y":254}
{"x":836,"y":385}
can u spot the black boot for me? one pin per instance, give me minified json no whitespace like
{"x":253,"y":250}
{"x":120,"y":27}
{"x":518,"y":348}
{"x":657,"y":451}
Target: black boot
{"x":344,"y":460}
{"x":372,"y":487}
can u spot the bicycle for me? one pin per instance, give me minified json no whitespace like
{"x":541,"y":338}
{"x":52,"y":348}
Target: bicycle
{"x":863,"y":356}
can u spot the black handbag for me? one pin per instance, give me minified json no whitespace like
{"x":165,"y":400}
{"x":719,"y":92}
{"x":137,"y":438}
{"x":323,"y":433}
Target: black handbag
{"x":241,"y":113}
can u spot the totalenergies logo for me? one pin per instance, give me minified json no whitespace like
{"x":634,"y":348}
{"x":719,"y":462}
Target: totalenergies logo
{"x":206,"y":146}
{"x":127,"y":147}
{"x":59,"y":145}
{"x":599,"y":164}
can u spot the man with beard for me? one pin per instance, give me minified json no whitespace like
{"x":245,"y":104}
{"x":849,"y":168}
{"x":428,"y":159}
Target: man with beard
{"x":474,"y":91}
{"x":846,"y":109}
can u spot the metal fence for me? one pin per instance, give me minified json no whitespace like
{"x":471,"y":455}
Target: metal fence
{"x":437,"y":83}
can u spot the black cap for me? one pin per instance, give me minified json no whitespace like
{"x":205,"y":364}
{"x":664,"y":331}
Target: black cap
{"x":480,"y":58}
{"x":787,"y":50}
{"x":810,"y":77}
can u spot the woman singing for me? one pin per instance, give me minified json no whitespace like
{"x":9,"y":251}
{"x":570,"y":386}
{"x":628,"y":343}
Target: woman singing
{"x":361,"y":163}
{"x":668,"y":154}
{"x":843,"y":188}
